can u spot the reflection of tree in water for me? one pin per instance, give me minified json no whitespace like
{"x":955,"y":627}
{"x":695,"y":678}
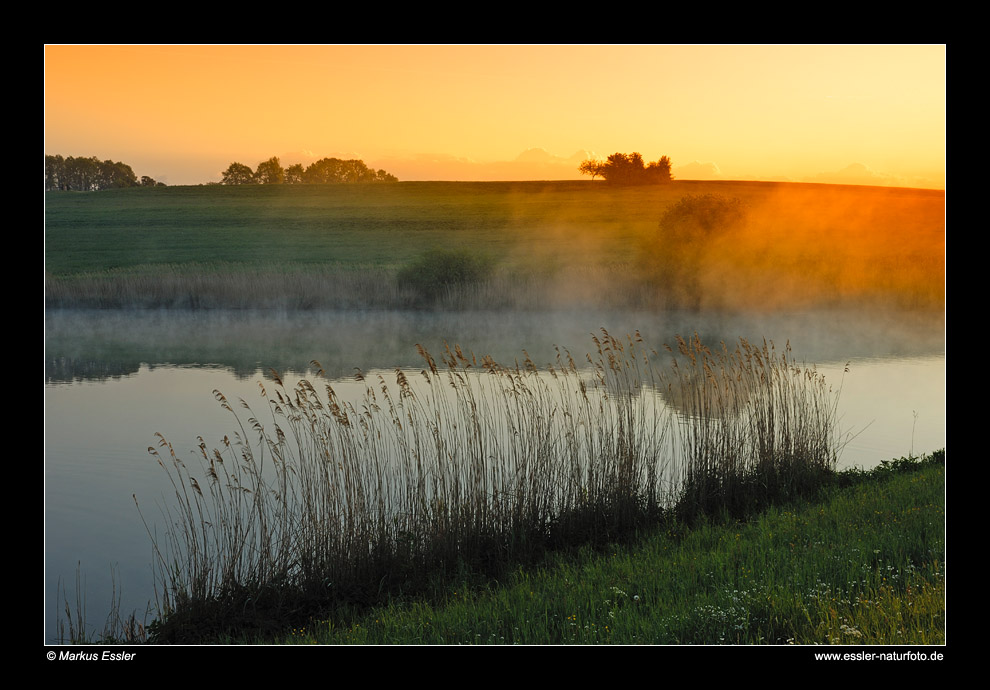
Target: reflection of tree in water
{"x":68,"y":369}
{"x":103,"y":344}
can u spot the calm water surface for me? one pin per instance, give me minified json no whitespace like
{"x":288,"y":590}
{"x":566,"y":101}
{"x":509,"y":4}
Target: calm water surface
{"x":113,"y":381}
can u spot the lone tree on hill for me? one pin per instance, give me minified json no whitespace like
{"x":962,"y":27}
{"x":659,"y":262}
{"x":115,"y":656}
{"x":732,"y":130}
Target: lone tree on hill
{"x":628,"y":169}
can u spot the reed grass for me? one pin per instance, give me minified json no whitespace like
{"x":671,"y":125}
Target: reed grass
{"x":72,"y":626}
{"x":468,"y":465}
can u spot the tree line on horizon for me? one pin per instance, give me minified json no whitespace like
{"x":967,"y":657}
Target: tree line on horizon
{"x":628,"y":169}
{"x":81,"y":174}
{"x":323,"y":171}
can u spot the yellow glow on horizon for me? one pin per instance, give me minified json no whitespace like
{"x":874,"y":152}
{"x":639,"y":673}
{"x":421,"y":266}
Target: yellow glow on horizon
{"x":754,"y":111}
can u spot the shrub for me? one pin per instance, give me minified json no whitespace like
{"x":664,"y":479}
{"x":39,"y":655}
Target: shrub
{"x":438,"y":272}
{"x":688,"y":232}
{"x":700,"y":217}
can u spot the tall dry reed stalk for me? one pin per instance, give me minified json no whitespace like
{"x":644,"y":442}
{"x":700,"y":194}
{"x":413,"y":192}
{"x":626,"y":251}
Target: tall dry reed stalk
{"x":469,"y":463}
{"x":72,"y":626}
{"x":755,"y":426}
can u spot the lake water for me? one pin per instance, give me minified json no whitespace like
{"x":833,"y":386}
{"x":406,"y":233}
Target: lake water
{"x":113,"y":380}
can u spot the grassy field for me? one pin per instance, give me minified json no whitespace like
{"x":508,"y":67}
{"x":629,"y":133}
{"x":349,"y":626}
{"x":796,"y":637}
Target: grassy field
{"x":352,"y":226}
{"x":550,"y":243}
{"x":863,"y":565}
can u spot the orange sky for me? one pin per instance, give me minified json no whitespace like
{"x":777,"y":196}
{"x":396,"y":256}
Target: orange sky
{"x":181,"y":114}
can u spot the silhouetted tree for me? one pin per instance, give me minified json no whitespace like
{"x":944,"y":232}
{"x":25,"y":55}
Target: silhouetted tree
{"x":323,"y":171}
{"x":659,"y":170}
{"x":337,"y":171}
{"x":55,"y":173}
{"x":591,"y":167}
{"x":294,"y":174}
{"x":83,"y":174}
{"x":113,"y":175}
{"x":87,"y":174}
{"x":628,"y":169}
{"x":270,"y":172}
{"x":237,"y":173}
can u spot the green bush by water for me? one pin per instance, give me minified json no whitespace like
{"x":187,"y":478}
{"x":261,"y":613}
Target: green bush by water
{"x":440,"y":272}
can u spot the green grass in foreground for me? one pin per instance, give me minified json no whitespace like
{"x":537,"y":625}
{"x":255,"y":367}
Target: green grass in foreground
{"x":865,"y":565}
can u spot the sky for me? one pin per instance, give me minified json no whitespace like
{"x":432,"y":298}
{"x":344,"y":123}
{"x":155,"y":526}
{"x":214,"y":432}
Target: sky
{"x":858,"y":114}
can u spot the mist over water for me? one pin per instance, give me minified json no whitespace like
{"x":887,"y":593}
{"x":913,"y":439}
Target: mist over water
{"x":83,"y":345}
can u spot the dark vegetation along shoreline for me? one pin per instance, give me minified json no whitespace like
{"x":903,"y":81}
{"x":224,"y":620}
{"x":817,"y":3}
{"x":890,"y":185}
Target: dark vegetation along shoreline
{"x":862,"y":562}
{"x":317,"y":511}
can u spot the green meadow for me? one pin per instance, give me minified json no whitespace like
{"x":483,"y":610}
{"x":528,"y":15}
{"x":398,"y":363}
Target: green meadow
{"x":549,"y":244}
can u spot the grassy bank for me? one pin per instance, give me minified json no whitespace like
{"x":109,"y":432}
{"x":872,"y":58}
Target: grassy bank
{"x":548,"y":243}
{"x":862,"y":564}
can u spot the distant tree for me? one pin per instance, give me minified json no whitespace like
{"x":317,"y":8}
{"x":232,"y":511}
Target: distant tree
{"x":83,"y":174}
{"x":87,"y":174}
{"x":55,"y":173}
{"x":623,"y":168}
{"x":591,"y":167}
{"x":238,"y":173}
{"x":294,"y":174}
{"x":115,"y":175}
{"x":323,"y":171}
{"x":660,"y":170}
{"x":354,"y":170}
{"x":628,"y":169}
{"x":270,"y":172}
{"x":147,"y":181}
{"x":337,"y":171}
